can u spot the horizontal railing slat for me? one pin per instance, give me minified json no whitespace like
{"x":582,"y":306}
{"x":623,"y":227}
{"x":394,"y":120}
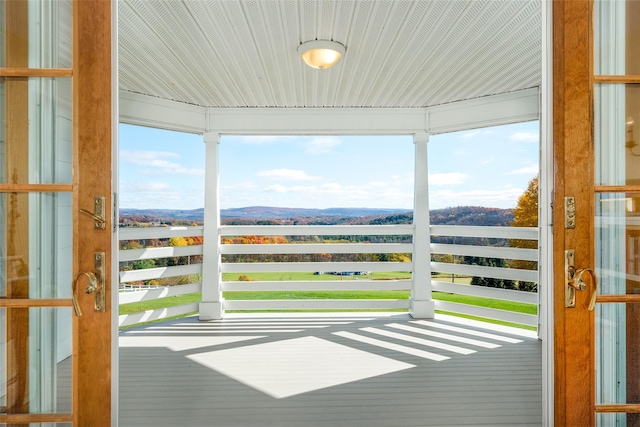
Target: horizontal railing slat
{"x":483,"y":291}
{"x":525,"y":233}
{"x":322,"y":248}
{"x":314,"y":304}
{"x":254,"y":267}
{"x":483,"y":271}
{"x":152,"y":294}
{"x":162,"y":252}
{"x":138,"y":233}
{"x":159,"y":272}
{"x":314,"y":230}
{"x":486,"y":251}
{"x":158,"y":314}
{"x":320,"y":285}
{"x":489,"y":313}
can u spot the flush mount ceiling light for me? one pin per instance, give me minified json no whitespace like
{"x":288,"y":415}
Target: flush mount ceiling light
{"x":321,"y":54}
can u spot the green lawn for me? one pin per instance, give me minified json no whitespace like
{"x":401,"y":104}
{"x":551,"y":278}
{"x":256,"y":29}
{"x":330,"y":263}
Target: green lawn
{"x":272,"y":277}
{"x":292,"y":295}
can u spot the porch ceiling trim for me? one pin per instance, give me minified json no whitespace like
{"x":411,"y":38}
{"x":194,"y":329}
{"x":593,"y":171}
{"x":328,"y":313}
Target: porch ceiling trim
{"x":513,"y":107}
{"x":145,"y":110}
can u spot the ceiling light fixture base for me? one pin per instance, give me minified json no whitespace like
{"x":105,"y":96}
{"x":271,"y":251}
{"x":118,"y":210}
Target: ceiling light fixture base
{"x":321,"y":54}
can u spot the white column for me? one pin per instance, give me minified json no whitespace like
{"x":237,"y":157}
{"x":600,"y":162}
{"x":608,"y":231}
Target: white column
{"x":421,"y":305}
{"x":212,"y":304}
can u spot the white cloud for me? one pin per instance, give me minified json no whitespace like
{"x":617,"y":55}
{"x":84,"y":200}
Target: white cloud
{"x":172,"y":170}
{"x":452,"y":178}
{"x":246,"y":185}
{"x":470,"y":134}
{"x":525,"y":137}
{"x":527,"y":170}
{"x":406,"y":178}
{"x":287,"y":175}
{"x":322,"y":145}
{"x":147,"y":158}
{"x":141,"y":186}
{"x":156,"y":163}
{"x":154,"y":195}
{"x":339,"y":195}
{"x":277,"y":188}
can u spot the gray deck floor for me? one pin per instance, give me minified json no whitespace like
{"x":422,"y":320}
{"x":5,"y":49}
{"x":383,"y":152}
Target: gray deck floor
{"x":329,"y":370}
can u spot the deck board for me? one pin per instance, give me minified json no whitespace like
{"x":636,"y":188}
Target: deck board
{"x":247,"y":371}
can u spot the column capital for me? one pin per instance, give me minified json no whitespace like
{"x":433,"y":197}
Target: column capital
{"x":210,"y":137}
{"x":422,"y":137}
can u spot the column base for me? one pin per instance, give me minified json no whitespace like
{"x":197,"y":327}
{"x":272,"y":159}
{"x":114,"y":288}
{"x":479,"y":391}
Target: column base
{"x":423,"y":309}
{"x":211,"y":310}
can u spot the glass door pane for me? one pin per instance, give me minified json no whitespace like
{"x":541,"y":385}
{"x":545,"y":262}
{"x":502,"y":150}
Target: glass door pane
{"x":617,"y":210}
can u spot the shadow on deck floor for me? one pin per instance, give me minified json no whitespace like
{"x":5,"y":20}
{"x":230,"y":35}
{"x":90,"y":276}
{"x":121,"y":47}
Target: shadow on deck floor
{"x":329,"y":369}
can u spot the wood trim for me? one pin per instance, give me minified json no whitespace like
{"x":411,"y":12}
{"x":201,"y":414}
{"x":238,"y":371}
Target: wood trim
{"x":36,"y":72}
{"x":573,"y":176}
{"x":17,"y":212}
{"x":33,"y":188}
{"x":35,"y":418}
{"x":627,"y":298}
{"x":616,"y":79}
{"x":92,"y":175}
{"x":28,"y":303}
{"x":617,"y":188}
{"x":619,"y":408}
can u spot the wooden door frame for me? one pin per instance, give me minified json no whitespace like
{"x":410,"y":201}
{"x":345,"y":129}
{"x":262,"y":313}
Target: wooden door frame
{"x":93,"y":115}
{"x":574,"y":404}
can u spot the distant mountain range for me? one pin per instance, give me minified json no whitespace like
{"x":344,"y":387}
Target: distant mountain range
{"x":461,"y":215}
{"x":258,"y":212}
{"x":274,"y":212}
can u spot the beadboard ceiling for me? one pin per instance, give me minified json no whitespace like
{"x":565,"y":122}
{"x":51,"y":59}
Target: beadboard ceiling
{"x":400,"y":53}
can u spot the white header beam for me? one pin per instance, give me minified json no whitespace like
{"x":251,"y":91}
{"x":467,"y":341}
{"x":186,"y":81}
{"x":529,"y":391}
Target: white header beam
{"x":506,"y":108}
{"x":493,"y":110}
{"x":144,"y":110}
{"x":318,"y":121}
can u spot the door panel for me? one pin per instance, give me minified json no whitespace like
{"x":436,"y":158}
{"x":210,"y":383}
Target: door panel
{"x":40,"y":132}
{"x":572,"y":152}
{"x":49,"y":45}
{"x":55,"y":156}
{"x":598,"y":164}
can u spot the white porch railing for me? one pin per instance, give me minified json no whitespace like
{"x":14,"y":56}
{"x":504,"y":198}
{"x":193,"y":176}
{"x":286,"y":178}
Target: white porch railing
{"x":505,"y":253}
{"x":328,"y":285}
{"x":320,"y":267}
{"x":157,"y":273}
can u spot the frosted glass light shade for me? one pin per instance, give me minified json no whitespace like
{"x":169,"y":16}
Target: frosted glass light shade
{"x":321,"y":54}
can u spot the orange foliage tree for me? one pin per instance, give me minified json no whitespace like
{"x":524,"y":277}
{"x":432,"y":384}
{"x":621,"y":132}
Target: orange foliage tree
{"x":526,"y":215}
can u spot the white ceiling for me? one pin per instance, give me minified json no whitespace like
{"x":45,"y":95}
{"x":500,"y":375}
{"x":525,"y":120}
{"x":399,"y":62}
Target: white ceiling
{"x":400,"y":53}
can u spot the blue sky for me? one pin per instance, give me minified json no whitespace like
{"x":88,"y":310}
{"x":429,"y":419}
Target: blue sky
{"x":485,"y":167}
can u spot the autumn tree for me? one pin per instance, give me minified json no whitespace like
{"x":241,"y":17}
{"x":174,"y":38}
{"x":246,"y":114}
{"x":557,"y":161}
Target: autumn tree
{"x":526,"y":215}
{"x":526,"y":211}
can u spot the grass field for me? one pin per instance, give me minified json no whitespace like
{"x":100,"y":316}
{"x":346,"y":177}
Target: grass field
{"x":271,"y":277}
{"x":292,"y":295}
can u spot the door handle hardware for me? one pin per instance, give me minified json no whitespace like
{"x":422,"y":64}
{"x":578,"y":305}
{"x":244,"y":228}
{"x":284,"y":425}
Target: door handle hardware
{"x":91,"y":284}
{"x":569,"y":273}
{"x":575,"y":282}
{"x":98,"y":262}
{"x":95,"y":285}
{"x":98,"y":212}
{"x":581,"y":285}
